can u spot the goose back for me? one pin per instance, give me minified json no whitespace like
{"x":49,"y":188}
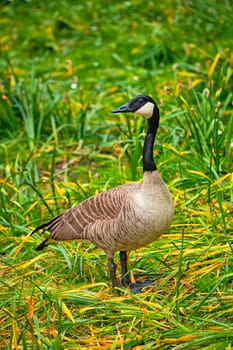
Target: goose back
{"x":75,"y":223}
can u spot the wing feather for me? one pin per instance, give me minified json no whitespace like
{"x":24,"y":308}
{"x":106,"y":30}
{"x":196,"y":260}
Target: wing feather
{"x":72,"y":223}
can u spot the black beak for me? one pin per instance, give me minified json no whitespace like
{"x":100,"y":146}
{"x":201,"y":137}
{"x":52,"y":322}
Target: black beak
{"x":122,"y":109}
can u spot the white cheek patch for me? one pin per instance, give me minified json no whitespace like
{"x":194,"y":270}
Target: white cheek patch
{"x":146,"y":110}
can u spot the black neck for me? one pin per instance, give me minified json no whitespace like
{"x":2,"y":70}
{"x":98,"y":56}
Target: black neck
{"x":148,"y":160}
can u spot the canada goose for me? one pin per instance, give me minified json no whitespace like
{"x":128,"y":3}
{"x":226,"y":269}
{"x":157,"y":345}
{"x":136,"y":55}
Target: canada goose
{"x":125,"y":217}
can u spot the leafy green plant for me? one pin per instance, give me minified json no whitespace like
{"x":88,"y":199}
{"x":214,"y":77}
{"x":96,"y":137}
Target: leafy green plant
{"x":59,"y":144}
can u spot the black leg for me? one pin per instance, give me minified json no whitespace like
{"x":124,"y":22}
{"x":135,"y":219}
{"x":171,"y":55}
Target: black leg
{"x":134,"y":287}
{"x":112,"y":270}
{"x":125,"y":280}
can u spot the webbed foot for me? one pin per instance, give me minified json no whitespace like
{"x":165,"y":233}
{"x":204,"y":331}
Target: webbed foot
{"x":137,"y":287}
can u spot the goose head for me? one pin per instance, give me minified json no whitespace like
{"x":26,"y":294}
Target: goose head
{"x":140,"y":104}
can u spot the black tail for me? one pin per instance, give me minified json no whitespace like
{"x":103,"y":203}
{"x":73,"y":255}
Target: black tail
{"x":43,"y":226}
{"x":42,"y":245}
{"x":46,"y":226}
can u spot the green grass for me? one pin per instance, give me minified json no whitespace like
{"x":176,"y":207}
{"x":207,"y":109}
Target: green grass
{"x":63,"y":68}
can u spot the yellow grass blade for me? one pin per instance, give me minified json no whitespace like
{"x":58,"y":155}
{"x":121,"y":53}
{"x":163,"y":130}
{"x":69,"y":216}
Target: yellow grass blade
{"x":67,"y":312}
{"x":214,"y":64}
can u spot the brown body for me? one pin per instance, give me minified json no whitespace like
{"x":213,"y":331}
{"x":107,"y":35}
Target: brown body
{"x":123,"y":218}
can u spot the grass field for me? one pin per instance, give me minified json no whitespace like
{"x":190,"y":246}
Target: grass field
{"x":63,"y":67}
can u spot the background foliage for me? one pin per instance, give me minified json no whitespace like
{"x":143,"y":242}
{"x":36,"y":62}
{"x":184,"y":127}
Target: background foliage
{"x":63,"y":68}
